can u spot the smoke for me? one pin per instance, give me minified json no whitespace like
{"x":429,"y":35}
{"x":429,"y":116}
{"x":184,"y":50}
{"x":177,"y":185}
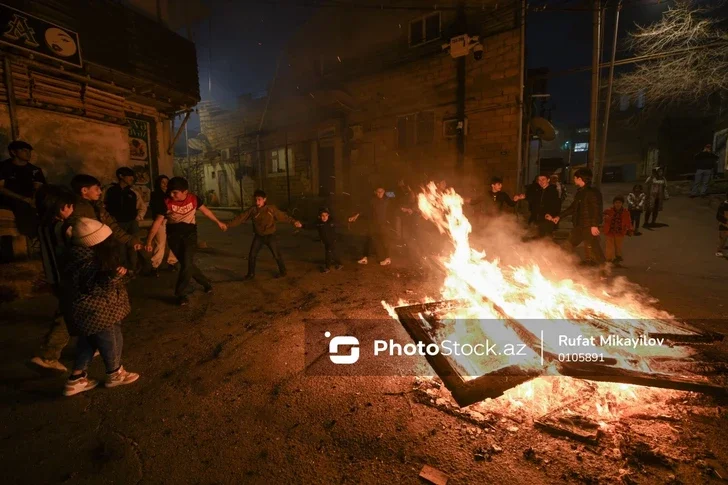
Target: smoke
{"x":506,"y":240}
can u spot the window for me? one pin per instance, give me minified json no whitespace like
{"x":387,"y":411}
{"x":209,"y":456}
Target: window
{"x":278,"y":160}
{"x":416,"y":129}
{"x":425,"y":127}
{"x":582,"y":130}
{"x":581,"y":147}
{"x":424,"y":29}
{"x":640,"y":103}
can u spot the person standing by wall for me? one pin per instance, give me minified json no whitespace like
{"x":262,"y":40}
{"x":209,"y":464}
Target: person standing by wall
{"x":19,"y":180}
{"x":656,"y":196}
{"x":705,"y":165}
{"x":126,"y":205}
{"x":159,"y":208}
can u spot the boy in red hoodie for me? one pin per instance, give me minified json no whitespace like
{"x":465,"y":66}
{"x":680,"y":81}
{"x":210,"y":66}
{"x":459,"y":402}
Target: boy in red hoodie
{"x":617,"y":224}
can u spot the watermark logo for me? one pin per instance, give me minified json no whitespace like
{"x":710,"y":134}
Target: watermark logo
{"x":343,"y":341}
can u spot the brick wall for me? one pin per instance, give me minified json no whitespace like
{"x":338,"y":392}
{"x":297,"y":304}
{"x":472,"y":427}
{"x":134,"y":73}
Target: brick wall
{"x":379,"y":93}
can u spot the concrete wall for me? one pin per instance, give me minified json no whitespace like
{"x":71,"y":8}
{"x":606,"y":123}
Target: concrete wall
{"x":66,"y":145}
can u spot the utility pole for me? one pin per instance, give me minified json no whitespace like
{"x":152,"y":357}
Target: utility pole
{"x":594,"y":115}
{"x":603,"y":151}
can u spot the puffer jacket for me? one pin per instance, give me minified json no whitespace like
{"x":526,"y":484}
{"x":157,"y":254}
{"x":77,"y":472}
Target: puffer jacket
{"x":586,"y":209}
{"x":92,"y":300}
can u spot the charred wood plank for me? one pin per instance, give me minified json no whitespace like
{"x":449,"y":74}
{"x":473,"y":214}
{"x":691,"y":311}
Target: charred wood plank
{"x":595,"y":372}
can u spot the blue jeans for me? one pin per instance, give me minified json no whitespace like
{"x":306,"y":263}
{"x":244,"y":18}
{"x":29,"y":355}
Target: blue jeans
{"x":702,"y":179}
{"x":109,"y":344}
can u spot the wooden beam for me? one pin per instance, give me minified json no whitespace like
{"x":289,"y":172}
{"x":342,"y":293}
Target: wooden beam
{"x":179,"y":132}
{"x":14,"y":129}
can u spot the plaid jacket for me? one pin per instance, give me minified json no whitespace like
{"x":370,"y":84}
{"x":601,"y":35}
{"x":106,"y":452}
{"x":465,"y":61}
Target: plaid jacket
{"x":93,"y":300}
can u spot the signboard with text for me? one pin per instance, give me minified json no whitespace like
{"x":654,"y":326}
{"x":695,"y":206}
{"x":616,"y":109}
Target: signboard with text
{"x":140,"y":157}
{"x":42,"y":38}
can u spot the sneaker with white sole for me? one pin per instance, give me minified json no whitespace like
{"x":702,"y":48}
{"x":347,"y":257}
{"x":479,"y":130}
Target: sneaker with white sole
{"x":385,"y":262}
{"x":120,"y":378}
{"x":48,"y":364}
{"x":719,"y":254}
{"x":77,"y":386}
{"x":363,"y":260}
{"x":96,"y":354}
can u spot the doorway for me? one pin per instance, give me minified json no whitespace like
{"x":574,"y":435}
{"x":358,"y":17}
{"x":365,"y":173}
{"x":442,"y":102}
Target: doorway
{"x":222,"y":188}
{"x":327,"y":171}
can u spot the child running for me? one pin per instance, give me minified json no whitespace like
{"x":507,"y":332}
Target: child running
{"x":94,"y":303}
{"x":636,"y":205}
{"x":264,"y":229}
{"x":327,"y":232}
{"x":617,"y":224}
{"x":179,"y":208}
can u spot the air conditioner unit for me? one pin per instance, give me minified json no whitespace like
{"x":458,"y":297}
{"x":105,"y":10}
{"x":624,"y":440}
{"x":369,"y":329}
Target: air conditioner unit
{"x":355,"y":133}
{"x":451,"y":128}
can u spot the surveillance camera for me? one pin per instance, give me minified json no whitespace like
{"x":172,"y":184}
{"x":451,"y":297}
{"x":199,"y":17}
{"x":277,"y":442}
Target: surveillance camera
{"x":478,"y":52}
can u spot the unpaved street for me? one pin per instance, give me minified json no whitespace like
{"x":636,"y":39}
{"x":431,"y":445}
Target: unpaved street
{"x":225,"y":396}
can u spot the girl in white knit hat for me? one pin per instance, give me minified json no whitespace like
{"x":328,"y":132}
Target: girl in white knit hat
{"x":95,"y":301}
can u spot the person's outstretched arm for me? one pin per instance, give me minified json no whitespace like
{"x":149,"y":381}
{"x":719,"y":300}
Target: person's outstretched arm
{"x":208,"y":213}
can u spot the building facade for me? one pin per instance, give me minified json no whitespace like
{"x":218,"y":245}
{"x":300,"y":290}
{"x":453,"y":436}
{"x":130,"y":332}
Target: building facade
{"x":93,"y":85}
{"x":365,"y":97}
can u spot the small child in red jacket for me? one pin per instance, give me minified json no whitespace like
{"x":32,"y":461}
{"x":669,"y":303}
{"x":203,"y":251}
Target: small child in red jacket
{"x":617,"y":224}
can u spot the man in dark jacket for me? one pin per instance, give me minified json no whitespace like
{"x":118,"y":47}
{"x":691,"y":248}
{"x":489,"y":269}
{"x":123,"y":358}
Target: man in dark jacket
{"x":19,"y":181}
{"x":264,"y":227}
{"x":88,"y":204}
{"x":545,"y":204}
{"x":378,"y":215}
{"x":495,"y":199}
{"x":586,"y":211}
{"x":705,"y":162}
{"x":127,"y":207}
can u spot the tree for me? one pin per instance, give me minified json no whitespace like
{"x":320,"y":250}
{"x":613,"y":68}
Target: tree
{"x":683,"y":59}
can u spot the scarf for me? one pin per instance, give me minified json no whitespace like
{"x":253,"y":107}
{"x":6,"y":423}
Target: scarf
{"x":615,"y":225}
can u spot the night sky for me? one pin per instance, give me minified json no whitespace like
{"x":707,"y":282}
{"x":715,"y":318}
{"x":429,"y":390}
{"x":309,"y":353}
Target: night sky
{"x":238,"y":44}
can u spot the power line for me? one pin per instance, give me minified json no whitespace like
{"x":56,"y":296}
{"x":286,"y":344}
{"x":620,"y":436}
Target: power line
{"x":631,"y":60}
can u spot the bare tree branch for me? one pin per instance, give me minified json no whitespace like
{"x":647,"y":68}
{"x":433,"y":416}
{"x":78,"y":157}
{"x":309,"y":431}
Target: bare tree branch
{"x":696,"y":77}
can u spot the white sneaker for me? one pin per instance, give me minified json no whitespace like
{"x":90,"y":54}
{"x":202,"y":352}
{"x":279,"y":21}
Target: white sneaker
{"x":48,"y":364}
{"x":386,"y":262}
{"x":120,"y":377}
{"x":720,"y":254}
{"x":79,"y":385}
{"x":363,"y":260}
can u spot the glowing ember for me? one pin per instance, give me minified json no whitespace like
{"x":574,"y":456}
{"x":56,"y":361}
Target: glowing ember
{"x":536,"y":302}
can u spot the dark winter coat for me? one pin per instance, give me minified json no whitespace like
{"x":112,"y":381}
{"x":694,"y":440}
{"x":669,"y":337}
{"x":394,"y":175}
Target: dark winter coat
{"x":543,"y":201}
{"x":492,"y":202}
{"x":121,"y":202}
{"x":92,"y":300}
{"x":705,"y":160}
{"x":326,"y":231}
{"x":96,"y":210}
{"x":264,"y":219}
{"x":586,"y":209}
